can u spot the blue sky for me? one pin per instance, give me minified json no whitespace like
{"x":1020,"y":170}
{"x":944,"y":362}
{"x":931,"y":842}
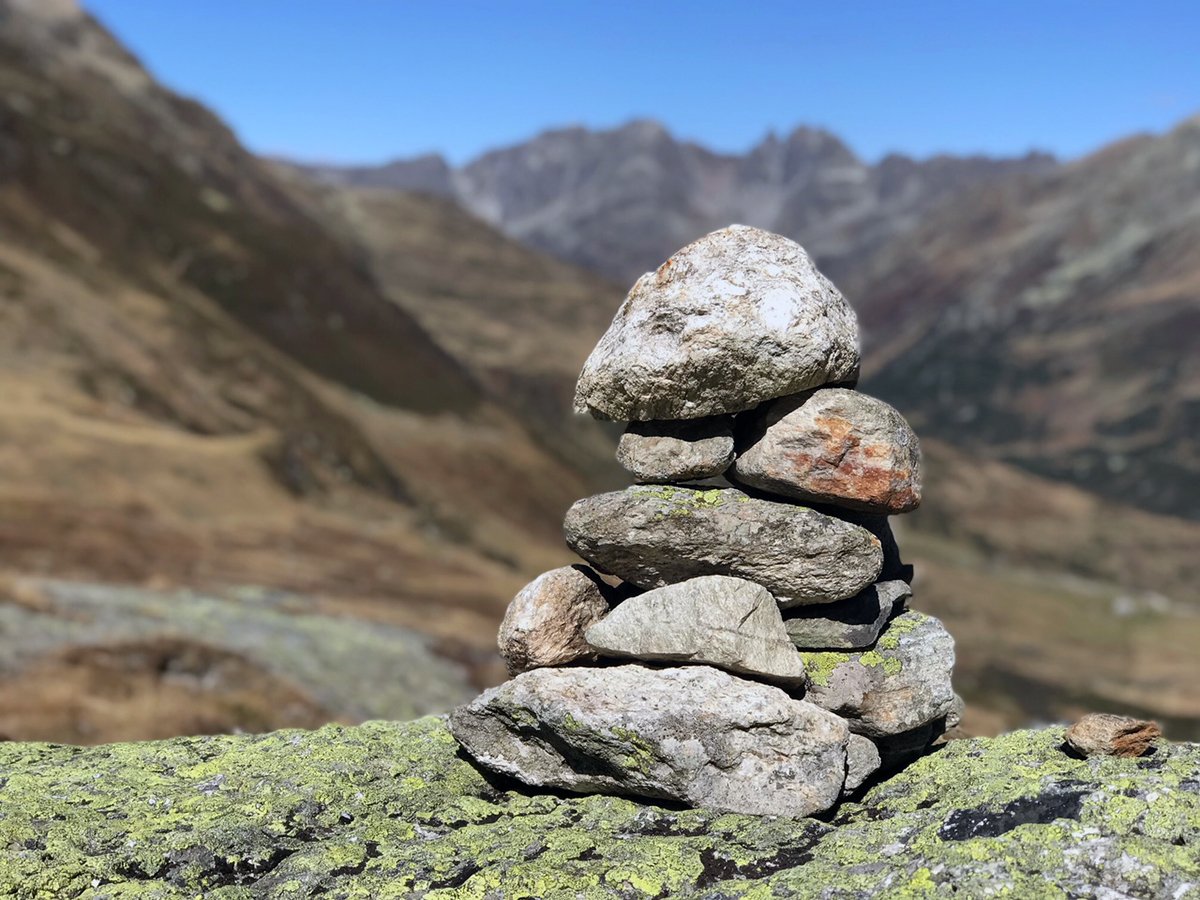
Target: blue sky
{"x":369,"y":80}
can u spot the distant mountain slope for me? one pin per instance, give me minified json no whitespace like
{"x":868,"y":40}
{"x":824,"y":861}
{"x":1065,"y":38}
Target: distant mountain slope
{"x":1054,"y":321}
{"x":621,"y":201}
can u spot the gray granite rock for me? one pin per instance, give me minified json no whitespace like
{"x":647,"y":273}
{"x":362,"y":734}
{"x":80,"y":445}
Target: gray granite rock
{"x":901,"y":684}
{"x":692,"y":734}
{"x":834,"y":446}
{"x":545,"y":623}
{"x":660,"y":452}
{"x":653,"y":536}
{"x":714,"y":620}
{"x":862,"y":761}
{"x":736,"y":318}
{"x":847,"y":624}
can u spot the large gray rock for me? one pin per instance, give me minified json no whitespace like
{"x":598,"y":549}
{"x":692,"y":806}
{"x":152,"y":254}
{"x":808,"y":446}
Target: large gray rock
{"x":692,"y":734}
{"x":684,"y":450}
{"x":832,"y":445}
{"x":713,"y":620}
{"x":653,"y":536}
{"x":847,"y":624}
{"x":545,"y":623}
{"x":736,"y":318}
{"x":899,"y":685}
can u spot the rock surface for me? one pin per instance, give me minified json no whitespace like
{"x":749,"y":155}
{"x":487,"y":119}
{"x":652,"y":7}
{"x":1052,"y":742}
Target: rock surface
{"x":862,"y":761}
{"x":653,"y":536}
{"x":735,"y":318}
{"x":901,"y":684}
{"x":1103,"y":734}
{"x":685,"y":450}
{"x":835,"y":446}
{"x":391,"y":810}
{"x":847,"y":624}
{"x":692,"y":734}
{"x":715,"y":620}
{"x":545,"y":623}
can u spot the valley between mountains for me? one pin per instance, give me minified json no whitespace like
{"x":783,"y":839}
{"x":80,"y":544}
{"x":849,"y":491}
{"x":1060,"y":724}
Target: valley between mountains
{"x":269,"y":440}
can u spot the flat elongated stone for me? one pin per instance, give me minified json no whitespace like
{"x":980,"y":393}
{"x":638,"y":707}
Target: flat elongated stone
{"x":545,"y":623}
{"x":847,"y":624}
{"x":835,"y":446}
{"x":1103,"y":734}
{"x":736,"y":318}
{"x":686,"y":450}
{"x":899,"y":685}
{"x":714,"y":620}
{"x":653,"y":536}
{"x":692,"y":734}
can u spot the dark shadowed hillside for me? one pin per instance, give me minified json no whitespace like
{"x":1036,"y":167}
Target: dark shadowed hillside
{"x":1054,"y":321}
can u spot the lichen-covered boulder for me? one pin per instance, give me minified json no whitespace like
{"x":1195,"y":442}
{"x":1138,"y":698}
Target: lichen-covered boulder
{"x":685,"y":450}
{"x":847,"y":624}
{"x":393,"y":810}
{"x":714,"y":620}
{"x":899,"y":685}
{"x":833,"y":446}
{"x":736,"y":318}
{"x":653,"y":536}
{"x":544,"y":625}
{"x":694,"y":734}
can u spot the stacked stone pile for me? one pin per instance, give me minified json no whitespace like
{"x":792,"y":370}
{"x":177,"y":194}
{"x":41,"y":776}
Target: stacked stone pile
{"x":758,"y":653}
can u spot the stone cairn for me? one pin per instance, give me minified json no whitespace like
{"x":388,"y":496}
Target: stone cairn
{"x":759,"y":655}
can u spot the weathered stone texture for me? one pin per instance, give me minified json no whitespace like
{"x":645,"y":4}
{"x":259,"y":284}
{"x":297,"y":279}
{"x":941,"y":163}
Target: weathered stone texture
{"x":653,"y":536}
{"x":545,"y":623}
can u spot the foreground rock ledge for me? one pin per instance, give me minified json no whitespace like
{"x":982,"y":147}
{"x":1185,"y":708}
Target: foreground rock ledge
{"x":391,"y":810}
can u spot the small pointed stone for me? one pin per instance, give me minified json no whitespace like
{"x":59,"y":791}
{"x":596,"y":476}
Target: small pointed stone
{"x":862,"y":761}
{"x":713,"y":620}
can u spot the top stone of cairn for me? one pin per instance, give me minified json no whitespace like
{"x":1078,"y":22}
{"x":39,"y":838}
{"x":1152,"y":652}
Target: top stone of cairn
{"x":739,"y":317}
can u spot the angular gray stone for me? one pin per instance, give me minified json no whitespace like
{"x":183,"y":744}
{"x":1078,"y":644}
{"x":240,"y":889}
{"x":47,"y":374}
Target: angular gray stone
{"x":653,"y":536}
{"x":686,"y":450}
{"x":899,"y":685}
{"x":736,"y":318}
{"x":862,"y":761}
{"x":545,"y":623}
{"x":692,"y":734}
{"x":847,"y":624}
{"x":714,"y":620}
{"x":834,"y":446}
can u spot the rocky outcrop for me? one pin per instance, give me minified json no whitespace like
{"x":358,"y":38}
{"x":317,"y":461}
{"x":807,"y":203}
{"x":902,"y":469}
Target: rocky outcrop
{"x":394,"y":810}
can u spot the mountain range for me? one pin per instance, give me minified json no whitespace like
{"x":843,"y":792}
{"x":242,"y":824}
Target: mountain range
{"x":242,"y":407}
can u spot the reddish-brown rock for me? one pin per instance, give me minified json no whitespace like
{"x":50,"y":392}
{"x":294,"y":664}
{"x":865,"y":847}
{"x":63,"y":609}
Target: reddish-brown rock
{"x":835,"y":446}
{"x":1103,"y":734}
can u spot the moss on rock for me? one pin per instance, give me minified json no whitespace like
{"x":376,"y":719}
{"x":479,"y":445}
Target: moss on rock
{"x":393,"y":810}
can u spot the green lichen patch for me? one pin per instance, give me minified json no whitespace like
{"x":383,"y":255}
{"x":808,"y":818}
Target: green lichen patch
{"x":394,"y":810}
